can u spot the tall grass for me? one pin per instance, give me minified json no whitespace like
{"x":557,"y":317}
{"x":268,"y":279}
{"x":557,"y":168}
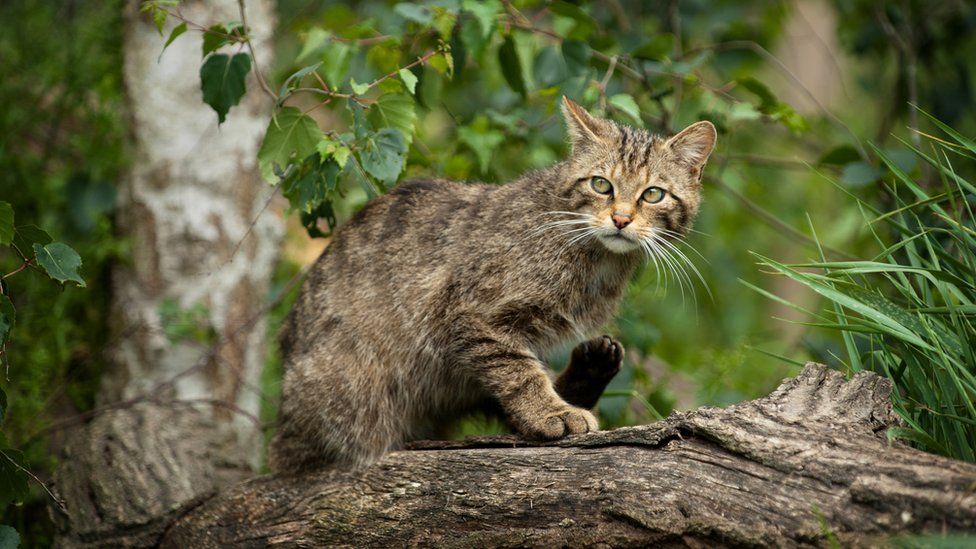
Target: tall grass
{"x":909,"y":313}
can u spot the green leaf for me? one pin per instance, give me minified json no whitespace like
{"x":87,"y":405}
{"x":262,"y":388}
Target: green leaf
{"x":336,"y":58}
{"x":9,"y":538}
{"x":577,"y":56}
{"x":839,"y":156}
{"x":358,"y":89}
{"x":334,"y":149}
{"x":8,"y":317}
{"x":296,"y":79}
{"x":512,"y":66}
{"x":290,"y":134}
{"x":859,"y":174}
{"x":13,"y":481}
{"x":585,"y":24}
{"x":550,"y":67}
{"x":414,"y":12}
{"x":25,"y":236}
{"x":222,"y":79}
{"x":159,"y":18}
{"x":60,"y":261}
{"x":383,"y":155}
{"x":409,"y":79}
{"x":626,"y":104}
{"x":174,"y":34}
{"x":394,"y":110}
{"x":484,"y":13}
{"x":6,"y":223}
{"x":760,"y":90}
{"x":218,"y":36}
{"x":307,"y":192}
{"x":482,"y":140}
{"x":314,"y":42}
{"x":3,"y":405}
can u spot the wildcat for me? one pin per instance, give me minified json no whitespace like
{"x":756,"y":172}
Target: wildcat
{"x":438,"y":298}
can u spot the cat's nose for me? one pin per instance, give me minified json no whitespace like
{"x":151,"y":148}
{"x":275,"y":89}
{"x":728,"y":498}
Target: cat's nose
{"x":620,"y":220}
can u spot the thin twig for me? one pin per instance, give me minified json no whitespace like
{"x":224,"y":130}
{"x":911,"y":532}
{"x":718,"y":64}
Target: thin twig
{"x":54,"y":498}
{"x":254,"y":58}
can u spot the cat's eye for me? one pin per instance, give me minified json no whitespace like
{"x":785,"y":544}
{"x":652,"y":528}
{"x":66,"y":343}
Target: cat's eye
{"x":653,"y":195}
{"x":601,"y":185}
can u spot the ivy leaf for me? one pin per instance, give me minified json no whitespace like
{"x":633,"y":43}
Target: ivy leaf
{"x":174,"y":34}
{"x":6,"y":223}
{"x":627,"y":105}
{"x":8,"y":317}
{"x":13,"y":481}
{"x":290,"y":133}
{"x":60,"y":261}
{"x":9,"y":538}
{"x":394,"y":110}
{"x":481,"y":139}
{"x":409,"y":79}
{"x":512,"y":66}
{"x":383,"y":155}
{"x":25,"y":236}
{"x":222,"y":80}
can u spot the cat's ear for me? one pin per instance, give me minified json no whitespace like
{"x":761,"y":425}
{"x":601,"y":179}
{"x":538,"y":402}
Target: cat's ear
{"x":693,"y":144}
{"x":583,"y":127}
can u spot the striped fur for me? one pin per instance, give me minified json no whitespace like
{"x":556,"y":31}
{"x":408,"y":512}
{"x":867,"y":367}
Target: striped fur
{"x":438,"y":298}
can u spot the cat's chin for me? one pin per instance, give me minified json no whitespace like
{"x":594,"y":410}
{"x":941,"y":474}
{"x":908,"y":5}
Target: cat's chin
{"x":618,"y":244}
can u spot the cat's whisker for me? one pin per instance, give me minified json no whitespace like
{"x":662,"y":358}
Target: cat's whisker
{"x":680,"y":239}
{"x":681,"y":255}
{"x":668,"y":256}
{"x":560,"y":223}
{"x":646,"y":246}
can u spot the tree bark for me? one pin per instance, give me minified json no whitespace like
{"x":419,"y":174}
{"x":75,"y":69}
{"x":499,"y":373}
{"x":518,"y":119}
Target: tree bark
{"x":176,"y":410}
{"x":807,"y":465}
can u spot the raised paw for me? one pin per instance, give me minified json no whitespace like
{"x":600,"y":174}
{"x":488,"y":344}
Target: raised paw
{"x":598,"y":359}
{"x":569,"y":421}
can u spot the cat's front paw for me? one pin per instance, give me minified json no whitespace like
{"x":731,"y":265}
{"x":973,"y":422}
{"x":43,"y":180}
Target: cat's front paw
{"x":598,"y":359}
{"x":568,"y":421}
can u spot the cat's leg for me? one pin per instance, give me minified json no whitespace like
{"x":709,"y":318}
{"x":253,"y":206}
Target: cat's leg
{"x":517,"y":379}
{"x":591,"y":367}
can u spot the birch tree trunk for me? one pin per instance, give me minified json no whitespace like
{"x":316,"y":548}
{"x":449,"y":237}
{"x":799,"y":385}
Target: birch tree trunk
{"x":177,"y":407}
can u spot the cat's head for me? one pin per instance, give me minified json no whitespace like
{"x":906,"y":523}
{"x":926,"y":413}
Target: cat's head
{"x":628,"y":188}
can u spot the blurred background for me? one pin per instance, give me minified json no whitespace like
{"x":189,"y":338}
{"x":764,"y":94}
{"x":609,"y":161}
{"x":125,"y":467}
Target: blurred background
{"x":812,"y":100}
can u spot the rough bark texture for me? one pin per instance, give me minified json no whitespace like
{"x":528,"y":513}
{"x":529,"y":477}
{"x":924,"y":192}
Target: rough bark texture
{"x":803,"y":466}
{"x":177,"y":421}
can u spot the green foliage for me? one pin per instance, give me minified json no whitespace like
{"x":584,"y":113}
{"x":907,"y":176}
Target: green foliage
{"x":909,"y":313}
{"x":291,"y":137}
{"x":59,"y":261}
{"x":61,"y":149}
{"x":222,"y":80}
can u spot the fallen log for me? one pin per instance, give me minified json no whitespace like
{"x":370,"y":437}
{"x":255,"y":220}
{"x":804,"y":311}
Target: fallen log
{"x":807,"y":465}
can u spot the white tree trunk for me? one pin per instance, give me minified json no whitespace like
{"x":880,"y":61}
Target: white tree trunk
{"x":174,"y":413}
{"x":187,"y":206}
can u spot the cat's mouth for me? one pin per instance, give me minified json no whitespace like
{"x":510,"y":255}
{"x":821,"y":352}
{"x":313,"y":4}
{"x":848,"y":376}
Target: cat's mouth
{"x":619,"y":242}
